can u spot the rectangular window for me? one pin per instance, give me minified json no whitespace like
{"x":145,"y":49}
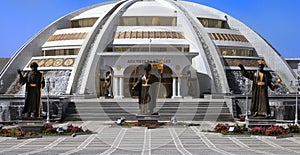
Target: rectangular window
{"x":61,"y":52}
{"x":213,"y":23}
{"x":148,"y":21}
{"x":145,"y":48}
{"x":129,"y":21}
{"x":237,"y":52}
{"x":89,"y":22}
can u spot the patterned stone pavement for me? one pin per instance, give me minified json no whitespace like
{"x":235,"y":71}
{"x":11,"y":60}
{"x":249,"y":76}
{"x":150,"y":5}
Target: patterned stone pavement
{"x":142,"y":141}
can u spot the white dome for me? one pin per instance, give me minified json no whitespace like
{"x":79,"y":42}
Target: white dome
{"x":119,"y":35}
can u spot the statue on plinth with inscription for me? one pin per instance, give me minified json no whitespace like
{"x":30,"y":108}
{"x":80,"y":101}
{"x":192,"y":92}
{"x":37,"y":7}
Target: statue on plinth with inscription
{"x":261,"y":81}
{"x":146,"y":89}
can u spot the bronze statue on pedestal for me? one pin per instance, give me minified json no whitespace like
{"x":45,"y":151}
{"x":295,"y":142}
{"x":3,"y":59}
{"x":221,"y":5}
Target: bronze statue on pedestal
{"x":261,"y":81}
{"x":34,"y":81}
{"x":146,"y":87}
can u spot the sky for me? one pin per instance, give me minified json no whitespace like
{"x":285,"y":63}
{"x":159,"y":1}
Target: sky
{"x":277,"y":21}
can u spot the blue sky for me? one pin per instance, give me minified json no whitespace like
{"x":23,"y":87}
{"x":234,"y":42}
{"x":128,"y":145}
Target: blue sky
{"x":278,"y":21}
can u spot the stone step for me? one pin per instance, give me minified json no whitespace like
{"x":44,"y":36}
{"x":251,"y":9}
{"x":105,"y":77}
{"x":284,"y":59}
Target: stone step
{"x":133,"y":108}
{"x":164,"y":116}
{"x":134,"y":111}
{"x":261,"y":122}
{"x":106,"y":111}
{"x":225,"y":117}
{"x":84,"y":105}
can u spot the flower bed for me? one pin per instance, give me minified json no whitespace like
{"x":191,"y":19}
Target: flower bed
{"x":225,"y":129}
{"x":276,"y":131}
{"x":48,"y":130}
{"x":258,"y":130}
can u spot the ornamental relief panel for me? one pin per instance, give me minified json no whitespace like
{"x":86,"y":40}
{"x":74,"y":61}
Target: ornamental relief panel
{"x":54,"y":62}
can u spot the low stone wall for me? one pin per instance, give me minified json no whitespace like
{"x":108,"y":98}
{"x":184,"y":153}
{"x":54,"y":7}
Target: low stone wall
{"x":282,"y":107}
{"x":11,"y":107}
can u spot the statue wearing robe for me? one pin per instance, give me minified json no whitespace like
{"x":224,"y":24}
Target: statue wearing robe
{"x":146,"y":88}
{"x":107,"y":84}
{"x":261,"y":81}
{"x":34,"y":81}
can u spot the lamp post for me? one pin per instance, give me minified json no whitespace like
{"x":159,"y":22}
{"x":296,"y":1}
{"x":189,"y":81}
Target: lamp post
{"x":296,"y":84}
{"x":150,"y":45}
{"x":246,"y":108}
{"x":246,"y":93}
{"x":48,"y":85}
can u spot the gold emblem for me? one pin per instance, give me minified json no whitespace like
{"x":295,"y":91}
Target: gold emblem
{"x":58,"y":62}
{"x":68,"y":62}
{"x":49,"y":62}
{"x":118,"y":67}
{"x":41,"y":62}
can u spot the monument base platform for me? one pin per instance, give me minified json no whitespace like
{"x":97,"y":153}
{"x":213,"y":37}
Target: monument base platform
{"x":31,"y":124}
{"x":148,"y":119}
{"x":261,"y":122}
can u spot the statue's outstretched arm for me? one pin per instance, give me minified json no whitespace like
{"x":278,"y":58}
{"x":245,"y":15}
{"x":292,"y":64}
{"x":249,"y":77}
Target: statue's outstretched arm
{"x":245,"y":73}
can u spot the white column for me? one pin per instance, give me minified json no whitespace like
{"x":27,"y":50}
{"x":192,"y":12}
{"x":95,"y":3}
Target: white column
{"x":121,"y":87}
{"x":179,"y":87}
{"x":174,"y":87}
{"x":115,"y":86}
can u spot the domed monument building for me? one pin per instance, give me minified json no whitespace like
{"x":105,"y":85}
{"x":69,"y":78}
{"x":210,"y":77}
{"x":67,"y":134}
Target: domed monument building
{"x":200,"y":49}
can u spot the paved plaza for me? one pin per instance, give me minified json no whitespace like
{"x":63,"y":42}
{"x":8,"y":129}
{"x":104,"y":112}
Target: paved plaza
{"x":116,"y":140}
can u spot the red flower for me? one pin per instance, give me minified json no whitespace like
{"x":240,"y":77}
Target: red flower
{"x":138,"y":124}
{"x":257,"y":130}
{"x":276,"y":130}
{"x":74,"y":129}
{"x":221,"y":128}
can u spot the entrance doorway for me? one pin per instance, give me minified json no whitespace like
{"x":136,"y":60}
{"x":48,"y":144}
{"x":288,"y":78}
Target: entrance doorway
{"x":132,"y":73}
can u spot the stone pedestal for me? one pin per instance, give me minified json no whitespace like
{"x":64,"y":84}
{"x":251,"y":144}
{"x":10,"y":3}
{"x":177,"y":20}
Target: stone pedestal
{"x":31,"y":124}
{"x":261,"y":122}
{"x":144,"y":119}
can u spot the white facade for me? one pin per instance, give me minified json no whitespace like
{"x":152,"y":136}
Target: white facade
{"x":119,"y":36}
